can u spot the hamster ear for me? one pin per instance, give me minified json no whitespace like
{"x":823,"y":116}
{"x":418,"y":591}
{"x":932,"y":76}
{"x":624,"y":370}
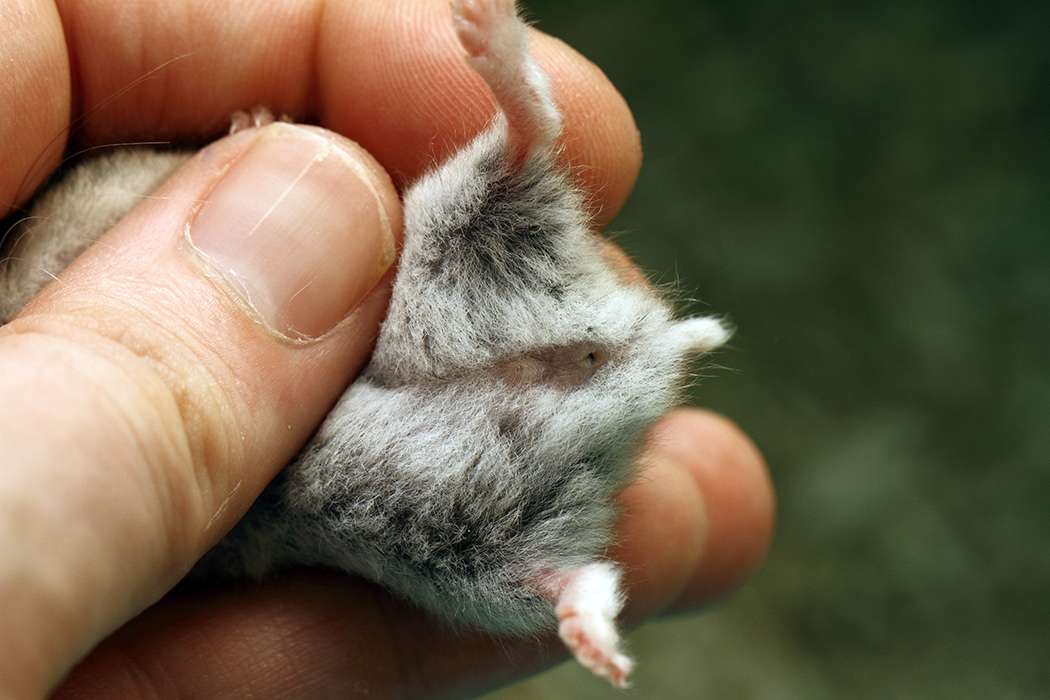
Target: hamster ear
{"x":702,"y":334}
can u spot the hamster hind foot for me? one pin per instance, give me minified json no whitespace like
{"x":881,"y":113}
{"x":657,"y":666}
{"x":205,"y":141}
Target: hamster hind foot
{"x":494,"y":36}
{"x":588,"y":600}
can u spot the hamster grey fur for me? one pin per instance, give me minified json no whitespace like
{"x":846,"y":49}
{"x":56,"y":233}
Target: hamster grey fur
{"x":471,"y":468}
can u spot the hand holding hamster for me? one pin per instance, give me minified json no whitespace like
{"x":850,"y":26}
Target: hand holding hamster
{"x":60,"y":305}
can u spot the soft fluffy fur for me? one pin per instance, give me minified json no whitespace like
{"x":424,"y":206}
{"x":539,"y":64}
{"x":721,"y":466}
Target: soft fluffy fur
{"x":500,"y":413}
{"x":475,"y":459}
{"x":69,"y":216}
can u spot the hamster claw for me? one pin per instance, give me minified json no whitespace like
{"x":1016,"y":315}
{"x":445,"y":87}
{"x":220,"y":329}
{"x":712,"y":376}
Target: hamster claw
{"x":259,"y":115}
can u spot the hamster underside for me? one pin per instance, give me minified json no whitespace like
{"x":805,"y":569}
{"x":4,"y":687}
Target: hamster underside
{"x":471,"y":467}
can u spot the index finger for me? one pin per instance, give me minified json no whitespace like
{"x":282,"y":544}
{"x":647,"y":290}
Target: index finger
{"x":389,"y":75}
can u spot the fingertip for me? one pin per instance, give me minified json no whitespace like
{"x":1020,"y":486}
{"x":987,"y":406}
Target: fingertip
{"x":36,"y":87}
{"x":661,"y":535}
{"x":734,"y":484}
{"x":601,"y":143}
{"x":302,"y":226}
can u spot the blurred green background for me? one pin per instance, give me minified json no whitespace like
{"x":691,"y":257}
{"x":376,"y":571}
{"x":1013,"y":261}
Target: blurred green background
{"x":865,"y":189}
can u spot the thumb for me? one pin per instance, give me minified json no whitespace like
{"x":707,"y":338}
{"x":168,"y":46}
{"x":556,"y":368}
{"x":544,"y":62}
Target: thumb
{"x":148,"y":396}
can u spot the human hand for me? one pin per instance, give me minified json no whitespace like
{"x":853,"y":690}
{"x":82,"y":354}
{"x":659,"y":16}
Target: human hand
{"x":134,"y":436}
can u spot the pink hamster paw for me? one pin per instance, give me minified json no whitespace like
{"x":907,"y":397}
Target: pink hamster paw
{"x":494,"y":38}
{"x":588,"y":600}
{"x":490,"y":31}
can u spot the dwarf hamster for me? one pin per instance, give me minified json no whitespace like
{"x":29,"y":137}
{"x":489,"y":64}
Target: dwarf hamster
{"x":471,"y":467}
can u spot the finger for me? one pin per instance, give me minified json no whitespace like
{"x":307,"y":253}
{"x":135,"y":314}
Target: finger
{"x":311,"y":635}
{"x":699,"y":519}
{"x":34,"y":89}
{"x":150,"y":394}
{"x":390,"y":75}
{"x":319,"y":634}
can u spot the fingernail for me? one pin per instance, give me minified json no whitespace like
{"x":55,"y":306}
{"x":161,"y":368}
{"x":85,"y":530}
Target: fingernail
{"x":296,"y":227}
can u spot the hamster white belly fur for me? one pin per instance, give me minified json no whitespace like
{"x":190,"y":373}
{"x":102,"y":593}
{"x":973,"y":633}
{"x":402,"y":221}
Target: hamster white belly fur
{"x":471,"y":467}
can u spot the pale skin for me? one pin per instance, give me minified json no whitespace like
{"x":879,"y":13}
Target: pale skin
{"x":157,"y":441}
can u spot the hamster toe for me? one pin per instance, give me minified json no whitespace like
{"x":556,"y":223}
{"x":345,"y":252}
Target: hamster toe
{"x":469,"y":28}
{"x":487,"y":28}
{"x":594,"y":649}
{"x":259,"y":115}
